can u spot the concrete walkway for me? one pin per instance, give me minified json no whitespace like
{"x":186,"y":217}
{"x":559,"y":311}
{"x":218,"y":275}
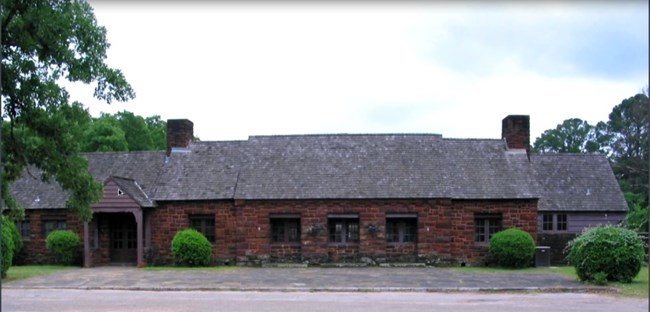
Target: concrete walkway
{"x":369,"y":279}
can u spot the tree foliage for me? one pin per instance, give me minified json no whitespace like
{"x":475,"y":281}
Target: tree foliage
{"x":43,"y":43}
{"x":125,"y":131}
{"x":572,"y":136}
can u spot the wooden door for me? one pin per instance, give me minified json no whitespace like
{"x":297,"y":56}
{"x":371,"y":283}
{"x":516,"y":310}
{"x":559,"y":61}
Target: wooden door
{"x":123,"y":242}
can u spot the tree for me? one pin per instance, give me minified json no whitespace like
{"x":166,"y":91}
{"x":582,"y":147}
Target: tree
{"x":44,"y":42}
{"x":136,"y":131}
{"x":157,"y":132}
{"x":105,"y":135}
{"x":573,"y":136}
{"x":628,"y":128}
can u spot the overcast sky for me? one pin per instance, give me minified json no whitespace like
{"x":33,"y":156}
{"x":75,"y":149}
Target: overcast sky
{"x":373,"y":67}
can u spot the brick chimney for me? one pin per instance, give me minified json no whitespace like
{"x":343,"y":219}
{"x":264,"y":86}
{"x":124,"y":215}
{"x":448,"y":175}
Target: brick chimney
{"x":179,"y":134}
{"x":515,"y":129}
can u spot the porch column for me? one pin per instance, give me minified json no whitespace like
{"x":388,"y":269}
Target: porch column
{"x":140,"y":226}
{"x":87,"y":258}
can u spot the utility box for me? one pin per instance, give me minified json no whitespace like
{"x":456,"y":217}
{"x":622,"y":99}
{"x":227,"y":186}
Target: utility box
{"x":542,"y":256}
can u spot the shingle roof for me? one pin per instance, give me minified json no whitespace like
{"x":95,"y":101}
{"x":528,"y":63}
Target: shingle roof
{"x":577,"y":182}
{"x":142,"y":167}
{"x":381,"y":166}
{"x":345,"y":166}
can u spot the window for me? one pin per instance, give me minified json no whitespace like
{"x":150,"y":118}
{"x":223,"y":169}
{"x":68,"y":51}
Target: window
{"x":485,"y":226}
{"x":343,"y":228}
{"x":51,"y":225}
{"x":561,"y":222}
{"x":547,"y":222}
{"x":285,"y":229}
{"x":401,"y":228}
{"x":204,"y":224}
{"x":24,"y":228}
{"x":554,"y":222}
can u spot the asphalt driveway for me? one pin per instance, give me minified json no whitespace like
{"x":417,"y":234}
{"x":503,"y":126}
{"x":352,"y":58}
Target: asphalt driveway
{"x":368,"y":279}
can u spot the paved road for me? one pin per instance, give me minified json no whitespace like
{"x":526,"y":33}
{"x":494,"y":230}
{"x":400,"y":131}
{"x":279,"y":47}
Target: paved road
{"x":122,"y":300}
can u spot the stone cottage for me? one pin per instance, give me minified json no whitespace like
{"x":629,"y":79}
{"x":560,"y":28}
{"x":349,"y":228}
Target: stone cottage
{"x":326,"y":198}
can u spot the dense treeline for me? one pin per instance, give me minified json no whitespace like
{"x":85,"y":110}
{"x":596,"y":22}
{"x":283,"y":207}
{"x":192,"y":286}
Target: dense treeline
{"x":124,"y":131}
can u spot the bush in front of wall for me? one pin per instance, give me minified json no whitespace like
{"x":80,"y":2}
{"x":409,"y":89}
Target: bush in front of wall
{"x":7,"y":250}
{"x":65,"y":245}
{"x":607,"y":251}
{"x":191,"y":248}
{"x":512,"y":248}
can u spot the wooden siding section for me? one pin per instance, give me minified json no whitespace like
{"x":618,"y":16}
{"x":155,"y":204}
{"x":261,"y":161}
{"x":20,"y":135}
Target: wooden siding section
{"x":115,"y":198}
{"x":578,"y":221}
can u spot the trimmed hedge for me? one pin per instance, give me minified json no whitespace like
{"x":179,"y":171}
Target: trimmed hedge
{"x":608,"y":250}
{"x":65,"y":245}
{"x":191,"y":248}
{"x":512,"y":248}
{"x":7,"y":250}
{"x":15,"y":235}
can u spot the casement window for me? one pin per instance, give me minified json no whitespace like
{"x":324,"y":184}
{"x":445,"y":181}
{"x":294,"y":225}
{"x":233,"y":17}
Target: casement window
{"x":285,"y":228}
{"x":50,"y":225}
{"x":343,"y":228}
{"x":547,"y":222}
{"x":554,"y":222}
{"x":203,"y":224}
{"x":401,"y":228}
{"x":24,"y":227}
{"x":485,"y":225}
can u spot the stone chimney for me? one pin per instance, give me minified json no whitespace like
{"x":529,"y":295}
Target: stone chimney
{"x":179,"y":134}
{"x":515,"y":129}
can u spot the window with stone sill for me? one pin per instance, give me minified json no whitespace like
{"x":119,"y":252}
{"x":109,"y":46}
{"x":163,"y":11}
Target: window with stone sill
{"x":343,"y":229}
{"x":204,"y":224}
{"x":50,"y":225}
{"x":285,"y":229}
{"x":401,"y":228}
{"x":486,"y":225}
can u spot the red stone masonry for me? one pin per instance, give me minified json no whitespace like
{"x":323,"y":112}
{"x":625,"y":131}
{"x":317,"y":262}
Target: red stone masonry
{"x":445,"y":230}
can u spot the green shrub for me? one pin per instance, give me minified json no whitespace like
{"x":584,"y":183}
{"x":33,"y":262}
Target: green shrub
{"x":614,"y":251}
{"x":191,"y":248}
{"x":512,"y":248}
{"x":15,"y":235}
{"x":65,"y":245}
{"x":7,"y":250}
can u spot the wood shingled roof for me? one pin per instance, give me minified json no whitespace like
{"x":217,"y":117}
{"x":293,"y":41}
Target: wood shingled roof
{"x":577,"y":182}
{"x":337,"y":166}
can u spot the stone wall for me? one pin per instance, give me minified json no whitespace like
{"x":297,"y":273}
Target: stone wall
{"x":445,"y":230}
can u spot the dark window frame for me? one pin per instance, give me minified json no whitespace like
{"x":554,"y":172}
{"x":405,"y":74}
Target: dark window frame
{"x":285,"y":230}
{"x":555,"y":222}
{"x":205,"y":224}
{"x":59,"y":223}
{"x":562,"y":222}
{"x":548,"y":222}
{"x":401,"y":230}
{"x":343,"y":229}
{"x":486,"y":225}
{"x":25,"y":229}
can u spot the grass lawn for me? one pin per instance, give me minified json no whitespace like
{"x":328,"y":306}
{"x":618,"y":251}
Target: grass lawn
{"x":638,"y":288}
{"x":27,"y":271}
{"x":202,"y":269}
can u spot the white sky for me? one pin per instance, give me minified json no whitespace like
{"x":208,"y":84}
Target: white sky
{"x":373,"y":67}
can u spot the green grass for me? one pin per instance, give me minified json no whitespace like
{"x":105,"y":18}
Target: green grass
{"x":27,"y":271}
{"x":202,"y":269}
{"x":637,"y":289}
